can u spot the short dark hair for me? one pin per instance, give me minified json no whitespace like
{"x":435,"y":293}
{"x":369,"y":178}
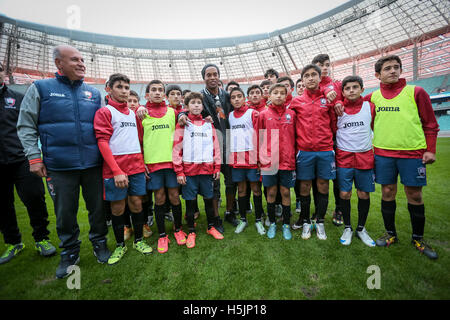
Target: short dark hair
{"x":271,"y":71}
{"x":237,"y":89}
{"x":277,"y":85}
{"x":284,"y":79}
{"x":383,"y":60}
{"x":147,"y":88}
{"x":134,"y":93}
{"x":207,"y":66}
{"x":185,"y":91}
{"x":320,"y":58}
{"x":255,"y":86}
{"x":352,"y":79}
{"x":265,"y":83}
{"x":232,"y":83}
{"x":311,"y":66}
{"x":298,"y":80}
{"x":172,"y":87}
{"x":192,"y":95}
{"x":117,"y":77}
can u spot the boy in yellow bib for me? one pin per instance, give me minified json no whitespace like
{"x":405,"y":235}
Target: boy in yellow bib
{"x":157,"y":129}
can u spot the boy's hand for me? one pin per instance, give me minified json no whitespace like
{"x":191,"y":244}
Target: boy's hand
{"x":141,"y":112}
{"x":121,"y":181}
{"x":331,"y":95}
{"x":216,"y":175}
{"x":38,"y":169}
{"x":428,"y":158}
{"x":181,"y":180}
{"x":209,"y":119}
{"x":339,"y":109}
{"x":183,"y":120}
{"x":146,"y":173}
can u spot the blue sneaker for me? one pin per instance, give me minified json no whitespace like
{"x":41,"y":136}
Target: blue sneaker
{"x":287,"y":232}
{"x":272,"y":231}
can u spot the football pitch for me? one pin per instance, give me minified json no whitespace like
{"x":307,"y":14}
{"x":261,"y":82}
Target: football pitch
{"x":250,"y":266}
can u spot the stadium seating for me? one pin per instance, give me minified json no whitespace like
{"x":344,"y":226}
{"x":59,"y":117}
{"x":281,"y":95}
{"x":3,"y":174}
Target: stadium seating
{"x":444,"y":122}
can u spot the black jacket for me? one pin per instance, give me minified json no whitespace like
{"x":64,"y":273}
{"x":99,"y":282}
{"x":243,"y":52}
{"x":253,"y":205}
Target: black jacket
{"x":210,"y":109}
{"x":11,"y":149}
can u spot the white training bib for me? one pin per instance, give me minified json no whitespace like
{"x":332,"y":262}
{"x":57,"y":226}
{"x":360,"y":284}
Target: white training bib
{"x":353,"y":131}
{"x":198,"y":146}
{"x":125,"y":139}
{"x":241,"y":132}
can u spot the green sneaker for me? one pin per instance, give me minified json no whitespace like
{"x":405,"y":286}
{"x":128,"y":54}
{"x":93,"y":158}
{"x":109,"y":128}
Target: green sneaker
{"x":12,"y":250}
{"x":260,"y":228}
{"x":117,"y":255}
{"x":142,"y":247}
{"x":45,"y":248}
{"x":241,"y":226}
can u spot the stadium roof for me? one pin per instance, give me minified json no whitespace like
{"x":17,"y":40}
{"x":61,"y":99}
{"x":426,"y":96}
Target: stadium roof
{"x":167,"y":44}
{"x":349,"y":33}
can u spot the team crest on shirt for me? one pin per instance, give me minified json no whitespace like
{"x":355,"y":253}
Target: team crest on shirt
{"x":421,"y":172}
{"x":87,"y":94}
{"x":323,"y":101}
{"x":10,"y":103}
{"x":288,"y":117}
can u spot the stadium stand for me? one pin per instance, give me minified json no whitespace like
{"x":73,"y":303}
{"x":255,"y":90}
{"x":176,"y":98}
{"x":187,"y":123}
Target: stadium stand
{"x":354,"y":34}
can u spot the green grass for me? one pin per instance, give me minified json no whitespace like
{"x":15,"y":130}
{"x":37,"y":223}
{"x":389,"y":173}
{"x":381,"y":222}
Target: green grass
{"x":248,"y":266}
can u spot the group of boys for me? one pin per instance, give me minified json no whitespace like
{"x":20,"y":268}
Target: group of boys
{"x":272,"y":139}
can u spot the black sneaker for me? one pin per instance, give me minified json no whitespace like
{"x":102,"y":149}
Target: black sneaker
{"x":219,"y":225}
{"x":386,"y":240}
{"x":338,"y":218}
{"x":424,"y":248}
{"x":67,"y":260}
{"x":231,"y":218}
{"x":101,"y":251}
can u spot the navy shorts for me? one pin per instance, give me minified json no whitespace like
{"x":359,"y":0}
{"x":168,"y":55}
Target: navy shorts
{"x":286,"y":178}
{"x":364,"y":179}
{"x":136,"y":187}
{"x":412,"y":171}
{"x":162,"y":178}
{"x":201,"y":184}
{"x":242,"y":174}
{"x":309,"y":163}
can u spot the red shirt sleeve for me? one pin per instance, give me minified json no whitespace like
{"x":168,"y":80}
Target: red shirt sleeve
{"x":333,"y":120}
{"x":426,"y":114}
{"x":102,"y":124}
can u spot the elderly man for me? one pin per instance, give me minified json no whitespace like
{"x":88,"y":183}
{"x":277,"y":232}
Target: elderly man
{"x":60,"y":111}
{"x":16,"y":172}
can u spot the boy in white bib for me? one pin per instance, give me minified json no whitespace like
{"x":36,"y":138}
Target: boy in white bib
{"x":196,"y":162}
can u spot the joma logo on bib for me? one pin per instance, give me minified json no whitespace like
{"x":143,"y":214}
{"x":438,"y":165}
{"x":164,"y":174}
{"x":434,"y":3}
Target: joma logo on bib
{"x":199,"y":134}
{"x":127,"y":124}
{"x":238,"y":126}
{"x":160,"y":126}
{"x":379,"y":109}
{"x":353,"y":124}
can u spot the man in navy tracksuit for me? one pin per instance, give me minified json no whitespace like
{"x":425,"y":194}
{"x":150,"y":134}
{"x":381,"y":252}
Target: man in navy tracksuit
{"x":61,"y":112}
{"x":16,"y":172}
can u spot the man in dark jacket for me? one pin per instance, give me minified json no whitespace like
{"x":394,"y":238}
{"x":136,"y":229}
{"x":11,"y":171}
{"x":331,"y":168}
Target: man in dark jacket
{"x":14,"y":166}
{"x":60,"y":111}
